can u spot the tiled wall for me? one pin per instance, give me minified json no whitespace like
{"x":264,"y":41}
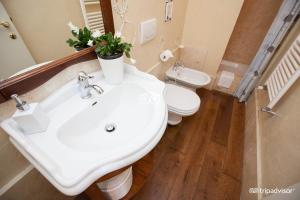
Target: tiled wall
{"x":237,"y":68}
{"x":34,"y":187}
{"x":207,"y":29}
{"x":271,"y":153}
{"x":250,"y":150}
{"x":253,"y":23}
{"x":249,"y":31}
{"x":168,"y":36}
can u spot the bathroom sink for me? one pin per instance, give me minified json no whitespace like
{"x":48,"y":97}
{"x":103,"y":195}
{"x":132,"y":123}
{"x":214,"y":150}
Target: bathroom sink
{"x":86,"y":131}
{"x":88,"y":138}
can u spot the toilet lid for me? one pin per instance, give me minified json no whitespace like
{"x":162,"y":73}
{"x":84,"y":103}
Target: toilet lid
{"x":181,"y":99}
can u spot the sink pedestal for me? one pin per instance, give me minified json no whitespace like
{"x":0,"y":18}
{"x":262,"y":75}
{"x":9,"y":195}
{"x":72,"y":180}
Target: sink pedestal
{"x":140,"y":172}
{"x":118,"y":186}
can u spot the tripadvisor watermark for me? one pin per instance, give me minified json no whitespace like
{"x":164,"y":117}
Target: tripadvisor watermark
{"x":272,"y":190}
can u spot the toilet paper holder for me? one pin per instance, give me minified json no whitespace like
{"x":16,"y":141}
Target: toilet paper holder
{"x":166,"y":55}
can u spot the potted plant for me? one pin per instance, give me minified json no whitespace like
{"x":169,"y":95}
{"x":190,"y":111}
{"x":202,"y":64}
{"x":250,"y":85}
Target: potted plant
{"x":84,"y":37}
{"x":110,"y":50}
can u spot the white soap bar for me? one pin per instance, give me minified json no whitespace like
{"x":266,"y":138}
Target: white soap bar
{"x":33,"y":120}
{"x":226,"y":79}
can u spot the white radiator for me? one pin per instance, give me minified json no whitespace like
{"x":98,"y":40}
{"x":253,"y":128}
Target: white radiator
{"x":92,"y":15}
{"x":285,"y":74}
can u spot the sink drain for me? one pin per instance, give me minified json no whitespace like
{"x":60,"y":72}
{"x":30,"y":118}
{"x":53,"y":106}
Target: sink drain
{"x":110,"y":127}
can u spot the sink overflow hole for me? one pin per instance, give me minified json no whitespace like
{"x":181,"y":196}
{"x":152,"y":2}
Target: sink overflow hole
{"x":110,"y":127}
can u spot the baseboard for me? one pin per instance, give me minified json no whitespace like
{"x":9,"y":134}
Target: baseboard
{"x":258,"y":142}
{"x":14,"y":180}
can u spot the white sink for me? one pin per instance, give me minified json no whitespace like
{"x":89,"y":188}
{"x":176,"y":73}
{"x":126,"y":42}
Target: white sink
{"x":76,"y":149}
{"x":129,"y":107}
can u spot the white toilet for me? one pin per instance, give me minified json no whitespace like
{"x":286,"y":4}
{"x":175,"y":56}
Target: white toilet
{"x":181,"y":101}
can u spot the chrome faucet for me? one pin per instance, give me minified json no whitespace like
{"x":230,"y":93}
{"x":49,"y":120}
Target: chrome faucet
{"x":85,"y":87}
{"x":177,"y":65}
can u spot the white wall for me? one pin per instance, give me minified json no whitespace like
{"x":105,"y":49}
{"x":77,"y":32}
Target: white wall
{"x":207,"y":29}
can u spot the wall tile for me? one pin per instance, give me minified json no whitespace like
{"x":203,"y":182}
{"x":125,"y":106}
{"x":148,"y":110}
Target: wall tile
{"x":12,"y":163}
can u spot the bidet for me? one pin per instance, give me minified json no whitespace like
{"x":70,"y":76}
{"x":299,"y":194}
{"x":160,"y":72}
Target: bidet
{"x":188,"y":77}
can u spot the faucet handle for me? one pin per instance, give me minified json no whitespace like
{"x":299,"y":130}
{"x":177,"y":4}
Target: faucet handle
{"x":180,"y":62}
{"x":20,"y":104}
{"x":83,"y":76}
{"x":97,"y":88}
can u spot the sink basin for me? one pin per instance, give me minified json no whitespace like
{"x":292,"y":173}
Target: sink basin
{"x":88,"y":138}
{"x":85,"y":131}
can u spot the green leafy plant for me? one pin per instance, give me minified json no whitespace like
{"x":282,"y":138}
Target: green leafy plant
{"x":83,"y":37}
{"x":109,"y":46}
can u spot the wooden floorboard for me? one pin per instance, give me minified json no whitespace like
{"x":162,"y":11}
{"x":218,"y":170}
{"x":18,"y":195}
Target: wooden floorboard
{"x":187,"y":176}
{"x":221,"y":131}
{"x":233,"y":163}
{"x":202,"y":157}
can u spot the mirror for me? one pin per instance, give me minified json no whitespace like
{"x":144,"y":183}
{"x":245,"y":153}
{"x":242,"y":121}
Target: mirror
{"x":34,"y":33}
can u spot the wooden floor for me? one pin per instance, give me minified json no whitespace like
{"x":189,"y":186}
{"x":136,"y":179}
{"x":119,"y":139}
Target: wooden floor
{"x":202,"y":157}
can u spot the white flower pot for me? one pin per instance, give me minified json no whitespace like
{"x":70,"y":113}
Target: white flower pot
{"x":113,"y":69}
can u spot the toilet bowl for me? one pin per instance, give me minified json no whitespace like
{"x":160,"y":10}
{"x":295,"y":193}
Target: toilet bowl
{"x":181,"y":102}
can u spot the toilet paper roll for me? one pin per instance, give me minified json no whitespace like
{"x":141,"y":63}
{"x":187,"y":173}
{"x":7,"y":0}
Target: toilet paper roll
{"x":166,"y":55}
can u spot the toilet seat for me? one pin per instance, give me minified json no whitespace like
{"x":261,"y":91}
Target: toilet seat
{"x":181,"y":101}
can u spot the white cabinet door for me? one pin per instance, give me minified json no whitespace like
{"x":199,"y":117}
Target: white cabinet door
{"x":14,"y":55}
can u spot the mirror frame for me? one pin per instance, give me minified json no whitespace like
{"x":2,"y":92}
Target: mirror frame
{"x":32,"y":79}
